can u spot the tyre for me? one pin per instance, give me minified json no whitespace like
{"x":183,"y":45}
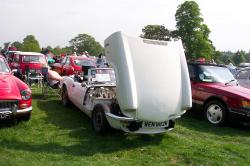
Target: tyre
{"x":99,"y":121}
{"x":215,"y":112}
{"x":65,"y":97}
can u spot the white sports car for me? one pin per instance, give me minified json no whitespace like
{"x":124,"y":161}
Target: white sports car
{"x":135,"y":96}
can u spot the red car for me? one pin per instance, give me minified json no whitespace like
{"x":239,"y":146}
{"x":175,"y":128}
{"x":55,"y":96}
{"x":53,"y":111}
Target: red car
{"x":28,"y":62}
{"x":71,"y":64}
{"x":15,"y":95}
{"x":218,"y":94}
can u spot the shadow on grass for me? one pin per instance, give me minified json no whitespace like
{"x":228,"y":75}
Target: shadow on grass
{"x":194,"y":120}
{"x":8,"y":123}
{"x":87,"y":142}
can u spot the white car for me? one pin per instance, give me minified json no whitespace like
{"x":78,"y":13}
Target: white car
{"x":147,"y":90}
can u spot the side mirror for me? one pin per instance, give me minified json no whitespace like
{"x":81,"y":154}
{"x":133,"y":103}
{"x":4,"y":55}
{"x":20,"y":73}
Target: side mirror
{"x":83,"y":84}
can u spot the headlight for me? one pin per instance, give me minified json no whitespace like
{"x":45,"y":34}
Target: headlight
{"x":26,"y":94}
{"x":245,"y":104}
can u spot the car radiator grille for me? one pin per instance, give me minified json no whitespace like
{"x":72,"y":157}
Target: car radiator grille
{"x":7,"y":104}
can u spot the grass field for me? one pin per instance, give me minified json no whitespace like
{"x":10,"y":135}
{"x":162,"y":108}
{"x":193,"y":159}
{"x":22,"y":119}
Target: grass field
{"x":56,"y":135}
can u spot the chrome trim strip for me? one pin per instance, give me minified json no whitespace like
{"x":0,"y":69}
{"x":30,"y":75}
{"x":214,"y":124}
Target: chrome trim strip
{"x":236,"y":112}
{"x":119,"y":117}
{"x":24,"y":110}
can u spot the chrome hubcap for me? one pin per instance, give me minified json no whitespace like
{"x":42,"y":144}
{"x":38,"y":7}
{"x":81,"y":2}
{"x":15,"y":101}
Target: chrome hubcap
{"x":214,"y":114}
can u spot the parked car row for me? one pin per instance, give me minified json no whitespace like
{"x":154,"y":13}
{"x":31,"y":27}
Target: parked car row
{"x":123,"y":97}
{"x":131,"y":96}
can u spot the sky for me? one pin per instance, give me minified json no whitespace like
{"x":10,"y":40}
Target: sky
{"x":55,"y":22}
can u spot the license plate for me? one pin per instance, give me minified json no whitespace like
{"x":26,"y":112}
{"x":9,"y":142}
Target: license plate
{"x":154,"y":124}
{"x":5,"y":115}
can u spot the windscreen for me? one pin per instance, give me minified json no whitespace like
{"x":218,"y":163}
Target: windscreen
{"x":3,"y":66}
{"x":34,"y":59}
{"x":215,"y":74}
{"x":83,"y":62}
{"x":100,"y":76}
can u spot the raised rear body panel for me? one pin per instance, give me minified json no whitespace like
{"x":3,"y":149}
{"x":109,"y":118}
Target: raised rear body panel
{"x":152,"y":77}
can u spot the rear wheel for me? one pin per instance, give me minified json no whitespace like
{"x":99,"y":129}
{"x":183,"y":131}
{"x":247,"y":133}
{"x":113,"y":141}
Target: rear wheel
{"x":216,"y":113}
{"x":99,"y":121}
{"x":65,"y":97}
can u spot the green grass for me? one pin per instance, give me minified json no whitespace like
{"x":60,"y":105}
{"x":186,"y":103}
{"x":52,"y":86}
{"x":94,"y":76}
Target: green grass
{"x":57,"y":135}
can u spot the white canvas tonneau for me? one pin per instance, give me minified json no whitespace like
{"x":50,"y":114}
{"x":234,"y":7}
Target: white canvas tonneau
{"x":152,"y":77}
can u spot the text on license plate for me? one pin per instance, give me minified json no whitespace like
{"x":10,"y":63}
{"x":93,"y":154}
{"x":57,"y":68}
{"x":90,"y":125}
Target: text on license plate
{"x":154,"y":124}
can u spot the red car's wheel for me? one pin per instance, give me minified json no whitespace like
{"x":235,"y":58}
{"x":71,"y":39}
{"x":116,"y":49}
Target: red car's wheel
{"x":215,"y":112}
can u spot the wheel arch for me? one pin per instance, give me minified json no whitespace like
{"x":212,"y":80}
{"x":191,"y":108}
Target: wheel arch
{"x":217,"y":99}
{"x":105,"y":107}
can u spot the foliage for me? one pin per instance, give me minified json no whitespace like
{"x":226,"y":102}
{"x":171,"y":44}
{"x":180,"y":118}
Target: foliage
{"x":58,"y":50}
{"x":223,"y":59}
{"x":17,"y":44}
{"x":85,"y":42}
{"x":239,"y":57}
{"x":31,"y":44}
{"x":247,"y":57}
{"x":193,"y":32}
{"x":68,"y":50}
{"x":155,"y":32}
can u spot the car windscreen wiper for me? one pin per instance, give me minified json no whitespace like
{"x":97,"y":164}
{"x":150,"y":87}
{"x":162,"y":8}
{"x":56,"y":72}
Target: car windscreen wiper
{"x":230,"y":81}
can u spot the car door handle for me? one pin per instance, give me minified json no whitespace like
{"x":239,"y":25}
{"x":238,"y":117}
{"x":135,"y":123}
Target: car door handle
{"x":73,"y":85}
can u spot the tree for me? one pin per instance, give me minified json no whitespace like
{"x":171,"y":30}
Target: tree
{"x":239,"y":57}
{"x":247,"y":57}
{"x":31,"y":44}
{"x":57,"y":50}
{"x":68,"y":50}
{"x":85,"y":42}
{"x":17,"y":44}
{"x":192,"y":31}
{"x":156,"y":32}
{"x":216,"y":55}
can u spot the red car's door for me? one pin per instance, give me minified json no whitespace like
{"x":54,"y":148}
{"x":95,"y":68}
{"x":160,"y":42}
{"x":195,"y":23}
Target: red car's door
{"x":198,"y":91}
{"x":58,"y":67}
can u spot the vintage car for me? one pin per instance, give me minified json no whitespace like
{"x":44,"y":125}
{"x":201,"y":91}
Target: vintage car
{"x":135,"y":97}
{"x":9,"y":55}
{"x":71,"y":64}
{"x":28,"y":62}
{"x":217,"y":93}
{"x":15,"y":95}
